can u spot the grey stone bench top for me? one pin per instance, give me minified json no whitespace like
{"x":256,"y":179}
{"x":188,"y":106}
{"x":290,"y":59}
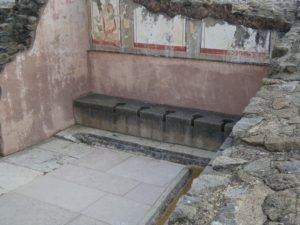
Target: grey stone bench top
{"x":118,"y":104}
{"x":191,"y":127}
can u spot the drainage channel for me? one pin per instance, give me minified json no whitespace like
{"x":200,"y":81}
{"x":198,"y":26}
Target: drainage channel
{"x":153,"y":152}
{"x":195,"y":172}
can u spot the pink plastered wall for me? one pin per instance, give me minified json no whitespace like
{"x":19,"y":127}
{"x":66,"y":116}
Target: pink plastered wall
{"x":39,"y":86}
{"x":213,"y":86}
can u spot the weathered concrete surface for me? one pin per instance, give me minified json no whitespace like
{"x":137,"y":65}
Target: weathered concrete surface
{"x":99,"y":186}
{"x":212,"y":86}
{"x":258,"y":169}
{"x":278,"y":15}
{"x":39,"y":86}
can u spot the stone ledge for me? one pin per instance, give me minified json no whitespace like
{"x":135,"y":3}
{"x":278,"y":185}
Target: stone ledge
{"x":191,"y":127}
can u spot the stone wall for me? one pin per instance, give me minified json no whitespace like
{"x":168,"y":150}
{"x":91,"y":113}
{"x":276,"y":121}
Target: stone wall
{"x":39,"y":85}
{"x":269,"y":14}
{"x":255,"y":179}
{"x":18,"y":22}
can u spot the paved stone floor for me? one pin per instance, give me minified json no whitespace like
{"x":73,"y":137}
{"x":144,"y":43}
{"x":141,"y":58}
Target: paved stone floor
{"x":64,"y":183}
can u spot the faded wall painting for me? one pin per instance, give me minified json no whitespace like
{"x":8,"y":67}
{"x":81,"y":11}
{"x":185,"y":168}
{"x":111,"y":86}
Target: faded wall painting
{"x":153,"y":31}
{"x":125,"y":27}
{"x":105,"y":22}
{"x":225,"y":39}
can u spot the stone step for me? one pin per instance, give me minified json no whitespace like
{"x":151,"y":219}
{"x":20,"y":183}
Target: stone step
{"x":190,"y":127}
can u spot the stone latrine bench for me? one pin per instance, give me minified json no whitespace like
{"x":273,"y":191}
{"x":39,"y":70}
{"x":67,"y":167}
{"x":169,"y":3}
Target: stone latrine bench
{"x":190,"y":127}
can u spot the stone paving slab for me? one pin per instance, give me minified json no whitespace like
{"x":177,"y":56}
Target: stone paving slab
{"x":102,"y":160}
{"x":67,"y":148}
{"x":63,"y":194}
{"x":84,"y":220}
{"x":68,"y":183}
{"x":145,"y":193}
{"x":55,"y":144}
{"x":147,"y":170}
{"x":117,"y":210}
{"x":16,"y":209}
{"x":96,"y":179}
{"x":39,"y":159}
{"x":12,"y":177}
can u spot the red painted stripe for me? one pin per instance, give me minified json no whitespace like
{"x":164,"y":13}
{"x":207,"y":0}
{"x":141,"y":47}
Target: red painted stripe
{"x":109,"y":43}
{"x":234,"y":53}
{"x":160,"y":47}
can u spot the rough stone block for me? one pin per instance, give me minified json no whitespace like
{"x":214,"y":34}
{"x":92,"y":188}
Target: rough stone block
{"x":127,"y":120}
{"x":97,"y":111}
{"x":207,"y":132}
{"x":179,"y":125}
{"x":280,"y":204}
{"x":152,"y":122}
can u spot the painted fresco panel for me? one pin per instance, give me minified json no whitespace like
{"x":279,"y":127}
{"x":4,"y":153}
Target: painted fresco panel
{"x":122,"y":26}
{"x":226,"y":39}
{"x":105,"y":23}
{"x":154,"y":31}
